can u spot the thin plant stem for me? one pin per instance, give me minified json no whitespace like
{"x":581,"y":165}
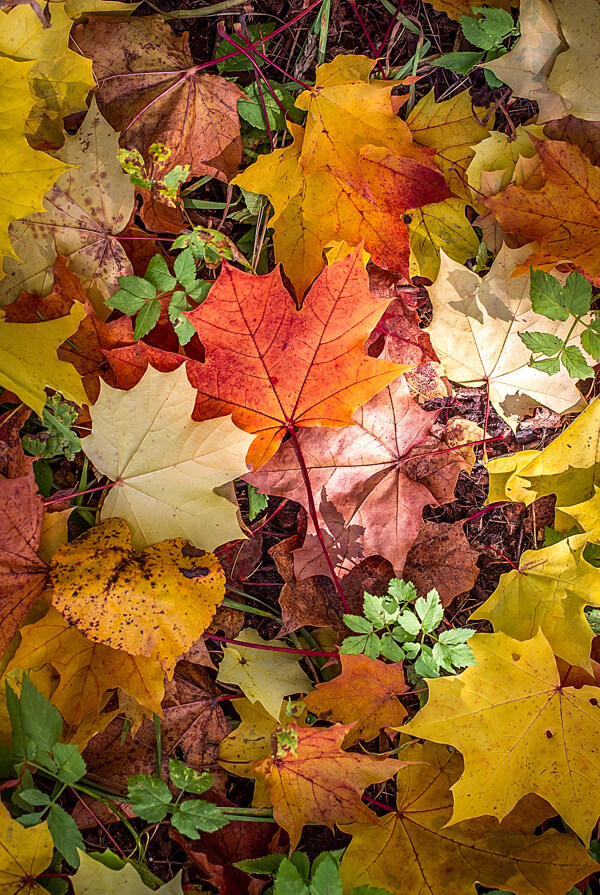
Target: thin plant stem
{"x":378,"y":804}
{"x":273,"y":649}
{"x":502,"y":556}
{"x":99,"y":822}
{"x":491,"y":506}
{"x":367,"y":35}
{"x":272,"y":516}
{"x":386,"y":36}
{"x":203,"y":12}
{"x":313,"y":513}
{"x":52,"y":500}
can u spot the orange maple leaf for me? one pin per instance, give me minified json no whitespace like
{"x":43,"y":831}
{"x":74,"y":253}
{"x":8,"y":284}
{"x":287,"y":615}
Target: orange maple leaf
{"x":273,"y":367}
{"x":314,"y":780}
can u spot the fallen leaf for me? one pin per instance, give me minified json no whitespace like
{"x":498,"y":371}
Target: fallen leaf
{"x":149,"y":90}
{"x":398,"y":337}
{"x":250,"y":741}
{"x":128,"y":363}
{"x":154,"y":604}
{"x":25,"y":174}
{"x":454,"y":570}
{"x":519,"y":731}
{"x":475,"y":331}
{"x":165,"y":465}
{"x":54,"y":532}
{"x":330,"y":376}
{"x":87,"y":669}
{"x":457,"y":8}
{"x":442,"y":226}
{"x":93,"y":877}
{"x":527,"y":66}
{"x":60,"y":78}
{"x":416,"y":851}
{"x":318,"y":782}
{"x":549,"y":591}
{"x":366,"y":503}
{"x":585,"y":134}
{"x":28,"y":353}
{"x":363,"y":696}
{"x":84,"y":213}
{"x":262,"y":675}
{"x":573,"y":76}
{"x":562,"y":216}
{"x":22,"y":573}
{"x":25,"y":852}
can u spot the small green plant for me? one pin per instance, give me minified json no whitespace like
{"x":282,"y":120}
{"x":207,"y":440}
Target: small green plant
{"x":557,"y":302}
{"x":151,"y":799}
{"x":140,"y":174}
{"x":257,"y":502}
{"x":392,"y":629}
{"x":211,"y":247}
{"x":489,"y":33}
{"x":295,"y":876}
{"x":56,"y":437}
{"x":141,"y":296}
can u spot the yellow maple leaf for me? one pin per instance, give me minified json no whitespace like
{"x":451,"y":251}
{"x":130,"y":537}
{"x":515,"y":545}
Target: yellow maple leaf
{"x":574,"y":76}
{"x":25,"y":174}
{"x":25,"y":852}
{"x":519,"y":732}
{"x":29,"y":363}
{"x":550,"y":590}
{"x":165,"y":464}
{"x":61,"y":79}
{"x":262,"y":675}
{"x":95,"y":878}
{"x":87,"y":669}
{"x":155,"y":604}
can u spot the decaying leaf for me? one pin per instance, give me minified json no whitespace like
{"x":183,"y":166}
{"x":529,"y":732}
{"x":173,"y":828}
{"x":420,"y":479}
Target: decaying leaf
{"x":149,"y":90}
{"x":416,"y":850}
{"x":316,"y":781}
{"x":165,"y":465}
{"x":247,"y":325}
{"x":155,"y":603}
{"x":475,"y":331}
{"x":442,"y":558}
{"x":363,"y":696}
{"x":519,"y":731}
{"x":263,"y":675}
{"x":457,"y":8}
{"x":87,"y":669}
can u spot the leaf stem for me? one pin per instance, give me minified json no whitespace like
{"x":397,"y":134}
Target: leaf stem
{"x":52,"y":500}
{"x":313,"y":512}
{"x":273,"y":649}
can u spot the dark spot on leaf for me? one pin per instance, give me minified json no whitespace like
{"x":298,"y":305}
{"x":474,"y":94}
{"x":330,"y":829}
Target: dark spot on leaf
{"x":549,"y":734}
{"x":195,"y":573}
{"x":190,"y":550}
{"x":515,"y":657}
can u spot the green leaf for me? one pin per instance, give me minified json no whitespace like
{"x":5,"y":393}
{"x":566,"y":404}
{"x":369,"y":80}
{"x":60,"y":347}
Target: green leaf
{"x":185,"y":269}
{"x":301,"y":863}
{"x":257,"y":502}
{"x":546,"y":343}
{"x":199,"y":292}
{"x":149,"y":797}
{"x":426,"y":665}
{"x":549,"y":365}
{"x":577,"y":294}
{"x":67,"y":837}
{"x":241,"y":62}
{"x":41,"y":721}
{"x":369,"y":890}
{"x":430,"y":611}
{"x":125,"y":302}
{"x":575,"y":363}
{"x":455,"y":635}
{"x":34,"y":797}
{"x":409,"y":623}
{"x":546,"y":295}
{"x":476,"y":33}
{"x":460,"y":63}
{"x":269,"y":864}
{"x":391,"y":649}
{"x":194,"y":815}
{"x":412,"y":650}
{"x":325,"y":879}
{"x":358,"y":624}
{"x":590,"y":342}
{"x":147,"y":319}
{"x":177,"y":305}
{"x":403,"y":591}
{"x":184,"y":330}
{"x":188,"y":779}
{"x":71,"y":766}
{"x":30,"y":820}
{"x":369,"y":644}
{"x":173,"y":180}
{"x":159,"y":275}
{"x":552,"y":537}
{"x":137,"y":287}
{"x":289,"y":881}
{"x":373,"y":609}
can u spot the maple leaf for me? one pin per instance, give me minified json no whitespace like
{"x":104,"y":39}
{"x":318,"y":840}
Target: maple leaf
{"x":549,"y":591}
{"x":93,"y":877}
{"x":456,"y":8}
{"x":367,"y":502}
{"x":353,"y":185}
{"x":404,"y":342}
{"x":247,"y":324}
{"x":527,"y":66}
{"x":585,"y":134}
{"x":262,"y":675}
{"x":363,"y":696}
{"x":84,"y":212}
{"x":149,"y":89}
{"x":22,"y":573}
{"x":28,"y":354}
{"x":154,"y":604}
{"x":54,"y":532}
{"x":87,"y":669}
{"x":165,"y":465}
{"x":520,"y":731}
{"x":475,"y":331}
{"x":416,"y":851}
{"x":60,"y":77}
{"x":455,"y":569}
{"x":562,"y":216}
{"x":442,"y":226}
{"x":25,"y":852}
{"x":25,"y":174}
{"x":250,"y":741}
{"x":316,"y":781}
{"x":572,"y":77}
